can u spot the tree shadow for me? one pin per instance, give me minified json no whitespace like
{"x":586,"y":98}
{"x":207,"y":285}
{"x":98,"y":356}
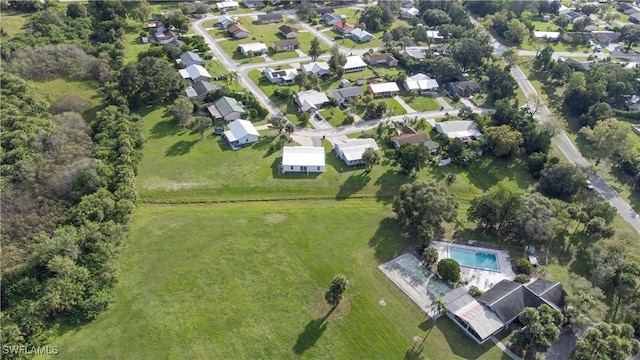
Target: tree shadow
{"x":352,"y":185}
{"x":312,"y":332}
{"x":389,"y":240}
{"x":389,"y":182}
{"x":165,"y":128}
{"x":180,"y":148}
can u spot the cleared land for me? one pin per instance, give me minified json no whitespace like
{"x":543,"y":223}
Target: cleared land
{"x":14,"y":22}
{"x":247,"y":281}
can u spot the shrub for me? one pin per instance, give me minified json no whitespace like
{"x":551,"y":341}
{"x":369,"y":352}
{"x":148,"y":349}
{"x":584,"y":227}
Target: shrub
{"x":348,"y":120}
{"x":429,"y":256}
{"x":449,"y":270}
{"x":522,"y":266}
{"x":70,"y":103}
{"x":474,"y":291}
{"x":522,"y":278}
{"x":54,"y":61}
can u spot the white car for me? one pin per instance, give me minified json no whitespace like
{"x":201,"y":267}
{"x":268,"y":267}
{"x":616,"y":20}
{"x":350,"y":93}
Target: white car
{"x":589,"y":185}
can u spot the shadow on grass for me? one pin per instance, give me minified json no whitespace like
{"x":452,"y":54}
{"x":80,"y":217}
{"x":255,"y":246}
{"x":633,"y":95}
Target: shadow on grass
{"x":312,"y":332}
{"x":181,"y":147}
{"x":270,"y":144}
{"x":488,"y":171}
{"x":389,"y":240}
{"x":389,"y":182}
{"x":165,"y":128}
{"x":352,"y":185}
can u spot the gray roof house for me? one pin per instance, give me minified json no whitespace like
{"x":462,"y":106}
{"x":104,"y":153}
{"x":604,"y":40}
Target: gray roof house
{"x":270,"y":18}
{"x":463,"y":88}
{"x":346,"y":94}
{"x":330,"y":19}
{"x":606,"y":38}
{"x":464,"y":130}
{"x":190,"y":58}
{"x":200,"y":88}
{"x":495,"y":309}
{"x":253,"y":4}
{"x":413,"y":54}
{"x":225,"y":108}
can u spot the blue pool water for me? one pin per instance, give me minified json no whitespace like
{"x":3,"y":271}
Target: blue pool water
{"x":436,"y":287}
{"x":474,"y":259}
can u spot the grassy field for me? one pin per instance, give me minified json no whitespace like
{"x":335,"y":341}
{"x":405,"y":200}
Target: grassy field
{"x":421,"y":102}
{"x":14,"y":22}
{"x":247,"y":281}
{"x":134,"y":45}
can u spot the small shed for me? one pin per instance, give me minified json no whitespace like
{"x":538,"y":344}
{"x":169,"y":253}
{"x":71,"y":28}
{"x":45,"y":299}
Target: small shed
{"x":344,"y":83}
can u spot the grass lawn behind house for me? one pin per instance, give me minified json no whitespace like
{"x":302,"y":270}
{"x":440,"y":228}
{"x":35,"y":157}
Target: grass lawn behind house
{"x":421,"y":102}
{"x":247,"y":281}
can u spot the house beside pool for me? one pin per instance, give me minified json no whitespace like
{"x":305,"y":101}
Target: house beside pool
{"x":302,"y":159}
{"x":241,"y":133}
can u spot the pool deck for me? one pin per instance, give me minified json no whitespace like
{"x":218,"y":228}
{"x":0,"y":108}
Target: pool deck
{"x":483,"y":279}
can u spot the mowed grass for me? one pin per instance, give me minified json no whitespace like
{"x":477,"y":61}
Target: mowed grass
{"x":421,"y":102}
{"x":246,"y":281}
{"x":57,"y":88}
{"x":14,"y":22}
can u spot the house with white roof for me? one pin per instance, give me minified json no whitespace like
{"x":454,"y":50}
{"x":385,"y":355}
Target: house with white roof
{"x":224,"y":21}
{"x":253,"y":4}
{"x":435,"y":35}
{"x":351,"y":150}
{"x":227,"y":5}
{"x":354,"y":63}
{"x":190,"y":58}
{"x":286,"y":76}
{"x":311,"y":100}
{"x":302,"y":159}
{"x":464,"y":130}
{"x":319,"y":68}
{"x":408,"y":13}
{"x":241,"y":133}
{"x":360,"y":35}
{"x":195,"y":73}
{"x":257,"y":48}
{"x":420,"y":83}
{"x":226,"y":108}
{"x":383,"y":89}
{"x":551,"y":35}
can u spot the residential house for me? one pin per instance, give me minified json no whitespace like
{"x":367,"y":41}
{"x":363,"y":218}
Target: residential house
{"x":435,"y":36}
{"x":284,"y":77}
{"x":351,"y":150}
{"x":463,"y":88}
{"x":421,"y":83}
{"x":634,"y":18}
{"x":574,"y":16}
{"x":548,"y":35}
{"x":383,"y":89}
{"x":342,"y":27}
{"x":361,"y":36}
{"x":465,"y":130}
{"x":323,"y":10}
{"x":330,"y":19}
{"x":354,"y":63}
{"x":606,"y":38}
{"x":345,"y":94}
{"x":408,"y":4}
{"x":189,"y":58}
{"x":562,"y":10}
{"x":227,"y":5}
{"x":195,"y":73}
{"x":494,"y":310}
{"x":224,"y":21}
{"x":386,"y":59}
{"x":631,"y":10}
{"x":411,"y":136}
{"x":633,"y":104}
{"x":302,"y":159}
{"x":309,"y":100}
{"x":253,"y":4}
{"x":255,"y":48}
{"x":226,"y":108}
{"x":408,"y":13}
{"x":270,"y":18}
{"x":238,"y":31}
{"x":241,"y":133}
{"x":417,"y":55}
{"x":200,"y":89}
{"x":319,"y":68}
{"x":285,"y":45}
{"x":166,"y":37}
{"x":288,"y":32}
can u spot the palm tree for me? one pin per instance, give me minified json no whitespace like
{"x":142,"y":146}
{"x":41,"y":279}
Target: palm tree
{"x":232,"y":78}
{"x":338,"y":286}
{"x":289,"y":129}
{"x":413,"y":94}
{"x":440,"y":306}
{"x":387,"y":37}
{"x":370,"y":157}
{"x":301,"y":80}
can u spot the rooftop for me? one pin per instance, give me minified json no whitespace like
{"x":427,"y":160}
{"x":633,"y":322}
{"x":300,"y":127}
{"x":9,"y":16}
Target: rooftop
{"x":354,"y":62}
{"x":384,"y":87}
{"x":239,"y":129}
{"x":302,"y":156}
{"x":352,"y":149}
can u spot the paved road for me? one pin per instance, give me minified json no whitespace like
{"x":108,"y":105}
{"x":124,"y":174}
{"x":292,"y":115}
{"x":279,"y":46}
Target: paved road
{"x":569,"y":150}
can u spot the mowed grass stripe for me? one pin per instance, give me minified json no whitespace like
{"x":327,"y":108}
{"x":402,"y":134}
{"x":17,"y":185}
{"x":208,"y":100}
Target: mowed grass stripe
{"x":247,"y":281}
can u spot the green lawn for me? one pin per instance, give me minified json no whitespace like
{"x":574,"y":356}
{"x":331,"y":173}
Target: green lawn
{"x":284,"y":55}
{"x":14,"y":22}
{"x":393,"y":105}
{"x":134,"y":45}
{"x":55,"y":89}
{"x":257,"y":33}
{"x":334,"y":115}
{"x":421,"y":102}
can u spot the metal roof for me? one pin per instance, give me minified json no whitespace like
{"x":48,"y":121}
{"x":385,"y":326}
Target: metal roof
{"x":227,"y":105}
{"x":302,"y":156}
{"x":352,"y":149}
{"x":239,"y":129}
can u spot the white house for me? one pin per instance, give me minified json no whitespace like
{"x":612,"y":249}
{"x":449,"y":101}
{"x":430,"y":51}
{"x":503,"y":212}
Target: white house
{"x":354,"y":63}
{"x":224,"y":21}
{"x":351,"y":150}
{"x":463,"y":129}
{"x":195,"y":73}
{"x":241,"y":133}
{"x":311,"y":100}
{"x":552,"y":35}
{"x":383,"y":89}
{"x":256,"y":48}
{"x":227,"y":5}
{"x":305,"y":159}
{"x":408,"y":13}
{"x":435,"y":35}
{"x":361,"y":36}
{"x":253,"y":4}
{"x":286,"y":76}
{"x":421,"y":83}
{"x":318,"y":68}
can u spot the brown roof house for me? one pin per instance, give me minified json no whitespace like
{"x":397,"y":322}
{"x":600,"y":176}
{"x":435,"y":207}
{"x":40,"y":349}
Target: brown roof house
{"x":285,"y":45}
{"x":270,"y":18}
{"x":238,"y":31}
{"x":410,"y":136}
{"x":288,"y":32}
{"x":380,"y":59}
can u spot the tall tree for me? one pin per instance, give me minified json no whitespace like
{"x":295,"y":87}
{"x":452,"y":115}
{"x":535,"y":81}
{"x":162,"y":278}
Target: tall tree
{"x":338,"y":286}
{"x":541,"y":329}
{"x":608,"y":137}
{"x":470,"y":52}
{"x":503,"y":141}
{"x":315,"y":51}
{"x":301,"y":80}
{"x":499,"y":83}
{"x":429,"y":256}
{"x":585,"y":302}
{"x":337,"y":61}
{"x":607,"y":341}
{"x":232,"y":78}
{"x":201,"y":124}
{"x":371,"y":17}
{"x":150,"y":81}
{"x":560,"y":180}
{"x":516,"y":31}
{"x":534,"y":223}
{"x":410,"y":157}
{"x":630,"y":35}
{"x":370,"y":157}
{"x":181,"y":110}
{"x":495,"y":208}
{"x":439,"y":306}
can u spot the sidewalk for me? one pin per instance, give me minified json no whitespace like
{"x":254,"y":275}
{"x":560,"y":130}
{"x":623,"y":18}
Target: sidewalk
{"x":404,"y":104}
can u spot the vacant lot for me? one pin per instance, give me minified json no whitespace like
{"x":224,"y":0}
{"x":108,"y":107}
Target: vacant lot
{"x":247,"y":281}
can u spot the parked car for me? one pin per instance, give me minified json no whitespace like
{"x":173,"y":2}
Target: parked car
{"x":218,"y":130}
{"x":343,"y":105}
{"x":319,"y":117}
{"x":589,"y":185}
{"x":339,"y":37}
{"x":597,"y":48}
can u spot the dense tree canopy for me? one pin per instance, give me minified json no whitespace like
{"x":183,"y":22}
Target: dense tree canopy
{"x":503,"y":140}
{"x":449,"y":269}
{"x":540,"y":329}
{"x":150,"y":81}
{"x":607,"y":341}
{"x":560,"y":180}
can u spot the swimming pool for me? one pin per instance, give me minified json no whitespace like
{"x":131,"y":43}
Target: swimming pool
{"x":475,"y":259}
{"x":435,"y":286}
